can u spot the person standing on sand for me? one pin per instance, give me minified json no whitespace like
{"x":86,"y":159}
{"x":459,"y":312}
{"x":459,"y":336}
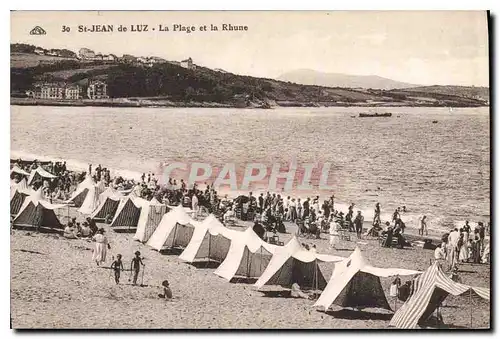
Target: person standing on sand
{"x":466,"y":228}
{"x":396,"y":215}
{"x":135,"y":266}
{"x":358,"y":223}
{"x":117,"y":266}
{"x":423,"y":226}
{"x":453,"y":238}
{"x":481,"y":234}
{"x":293,"y":210}
{"x":326,"y":209}
{"x":376,"y":217}
{"x":101,"y":246}
{"x":334,"y":234}
{"x":332,"y":203}
{"x":348,"y":217}
{"x":476,"y":247}
{"x":463,"y":255}
{"x":286,"y":207}
{"x":440,"y":254}
{"x":305,"y":206}
{"x":299,"y":209}
{"x":194,"y":204}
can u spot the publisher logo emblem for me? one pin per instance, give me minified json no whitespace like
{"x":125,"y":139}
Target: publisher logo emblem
{"x":37,"y":30}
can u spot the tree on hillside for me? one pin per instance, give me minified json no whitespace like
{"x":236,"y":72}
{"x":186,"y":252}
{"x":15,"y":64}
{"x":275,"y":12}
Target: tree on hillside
{"x":22,"y":48}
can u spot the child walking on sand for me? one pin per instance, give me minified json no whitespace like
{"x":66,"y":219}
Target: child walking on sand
{"x":117,"y":266}
{"x":135,"y":266}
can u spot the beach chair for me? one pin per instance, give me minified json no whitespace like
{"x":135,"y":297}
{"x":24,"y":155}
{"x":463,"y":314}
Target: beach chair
{"x":275,"y":240}
{"x":383,"y":238}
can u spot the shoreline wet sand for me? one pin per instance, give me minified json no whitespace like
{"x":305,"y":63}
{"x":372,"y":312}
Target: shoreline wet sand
{"x":55,"y":284}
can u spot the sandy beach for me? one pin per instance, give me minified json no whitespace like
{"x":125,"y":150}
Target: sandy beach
{"x":55,"y":284}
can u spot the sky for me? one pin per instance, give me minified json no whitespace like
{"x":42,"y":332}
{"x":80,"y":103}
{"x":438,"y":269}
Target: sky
{"x":419,"y":47}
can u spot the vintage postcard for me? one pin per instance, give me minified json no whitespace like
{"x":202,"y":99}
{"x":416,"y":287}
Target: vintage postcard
{"x":250,"y":170}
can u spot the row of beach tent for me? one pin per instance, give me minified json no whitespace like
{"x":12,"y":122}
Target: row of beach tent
{"x":38,"y":173}
{"x":242,"y":254}
{"x":354,"y":283}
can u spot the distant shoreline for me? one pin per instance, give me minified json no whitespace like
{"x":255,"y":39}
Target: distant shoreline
{"x":151,"y":102}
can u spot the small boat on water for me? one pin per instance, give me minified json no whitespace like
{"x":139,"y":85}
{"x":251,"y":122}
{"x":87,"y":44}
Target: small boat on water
{"x":434,"y":121}
{"x":374,"y":115}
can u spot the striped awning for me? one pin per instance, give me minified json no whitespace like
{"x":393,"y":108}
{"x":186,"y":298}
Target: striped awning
{"x":409,"y":314}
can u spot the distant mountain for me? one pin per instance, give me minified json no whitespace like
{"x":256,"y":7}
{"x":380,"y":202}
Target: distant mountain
{"x":311,"y":77}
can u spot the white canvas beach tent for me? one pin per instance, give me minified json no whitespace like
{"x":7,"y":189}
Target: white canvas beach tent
{"x":294,"y":264}
{"x":354,"y":283}
{"x":430,"y":289}
{"x":108,"y":204}
{"x":82,"y":189}
{"x":18,"y":193}
{"x":39,"y":172}
{"x":149,"y":219}
{"x":174,"y":230}
{"x":91,"y":201}
{"x":210,"y":241}
{"x":38,"y":214}
{"x":127,"y":215}
{"x":100,"y":187}
{"x":17,"y":199}
{"x":248,"y":256}
{"x":19,"y":171}
{"x":20,"y":186}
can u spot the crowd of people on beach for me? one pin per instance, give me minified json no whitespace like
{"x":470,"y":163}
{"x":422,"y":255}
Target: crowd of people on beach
{"x":268,"y":211}
{"x":463,"y":245}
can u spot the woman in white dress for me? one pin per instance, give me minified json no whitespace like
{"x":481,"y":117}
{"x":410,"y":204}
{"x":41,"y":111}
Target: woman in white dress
{"x":101,"y":247}
{"x":334,"y":234}
{"x":463,"y":255}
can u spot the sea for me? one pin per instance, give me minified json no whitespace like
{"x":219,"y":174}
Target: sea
{"x":433,"y":161}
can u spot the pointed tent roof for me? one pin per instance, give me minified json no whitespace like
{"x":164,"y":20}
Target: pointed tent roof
{"x":250,"y":243}
{"x":18,"y":170}
{"x":355,"y":283}
{"x":81,"y":190}
{"x":213,"y":227}
{"x":91,"y":201}
{"x":128,"y":213}
{"x":33,"y":213}
{"x":418,"y":307}
{"x":167,"y":226}
{"x":17,"y":198}
{"x":20,"y":186}
{"x":41,"y":172}
{"x":110,"y":193}
{"x":292,"y":249}
{"x":109,"y":200}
